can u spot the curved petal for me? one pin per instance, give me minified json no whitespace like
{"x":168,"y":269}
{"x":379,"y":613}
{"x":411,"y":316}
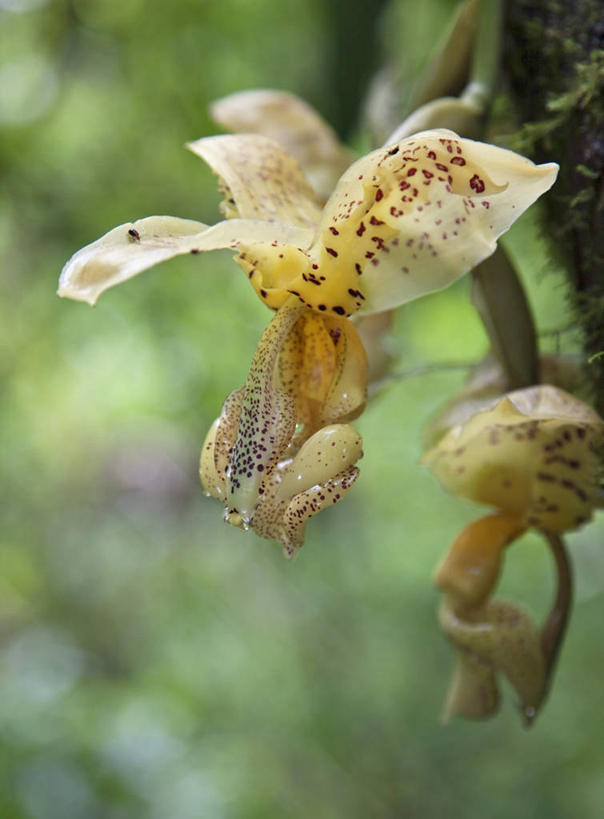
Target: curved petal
{"x":473,"y":691}
{"x":309,"y":503}
{"x":267,"y":421}
{"x":326,"y":454}
{"x":262,"y":180}
{"x":306,"y":367}
{"x":470,"y":569}
{"x":413,"y":217}
{"x":295,"y":125}
{"x":502,"y":635}
{"x":136,"y":246}
{"x":323,"y":366}
{"x":217,"y":447}
{"x":212,"y":481}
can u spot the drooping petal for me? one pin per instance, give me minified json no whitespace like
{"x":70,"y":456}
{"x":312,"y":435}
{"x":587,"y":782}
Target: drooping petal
{"x":267,"y":421}
{"x":260,"y":179}
{"x":503,"y":636}
{"x":226,"y":432}
{"x":136,"y":246}
{"x":218,"y":445}
{"x":469,"y":572}
{"x":309,"y":503}
{"x":323,"y":366}
{"x":212,"y":481}
{"x":306,"y":367}
{"x":317,"y":477}
{"x":295,"y":125}
{"x":473,"y":691}
{"x":413,"y":217}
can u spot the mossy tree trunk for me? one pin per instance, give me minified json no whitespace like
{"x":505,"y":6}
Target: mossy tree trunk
{"x":554,"y":61}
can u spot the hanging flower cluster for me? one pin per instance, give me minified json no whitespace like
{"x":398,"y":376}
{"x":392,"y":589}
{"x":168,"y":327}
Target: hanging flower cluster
{"x":533,"y":456}
{"x":402,"y":221}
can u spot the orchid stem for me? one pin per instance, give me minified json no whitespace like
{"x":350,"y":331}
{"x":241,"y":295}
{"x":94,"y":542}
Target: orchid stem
{"x":487,"y":49}
{"x":498,"y":294}
{"x":554,"y":628}
{"x":497,"y":290}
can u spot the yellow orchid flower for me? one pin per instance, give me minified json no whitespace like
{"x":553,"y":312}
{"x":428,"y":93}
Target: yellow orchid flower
{"x":533,"y":456}
{"x":402,"y":221}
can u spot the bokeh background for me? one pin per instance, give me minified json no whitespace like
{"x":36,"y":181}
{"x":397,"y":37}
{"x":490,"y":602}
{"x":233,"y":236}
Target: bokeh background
{"x":154,"y":662}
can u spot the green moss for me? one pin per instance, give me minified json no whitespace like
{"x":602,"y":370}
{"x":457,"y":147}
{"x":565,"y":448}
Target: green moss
{"x":555,"y":63}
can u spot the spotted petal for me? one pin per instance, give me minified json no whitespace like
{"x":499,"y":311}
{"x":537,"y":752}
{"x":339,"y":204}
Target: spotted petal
{"x":413,"y":217}
{"x":295,"y":125}
{"x":267,"y":421}
{"x":260,"y":180}
{"x":323,"y":366}
{"x":533,"y":455}
{"x":136,"y":246}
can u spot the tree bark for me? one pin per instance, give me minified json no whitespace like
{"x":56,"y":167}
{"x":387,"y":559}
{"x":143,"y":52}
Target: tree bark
{"x":554,"y":61}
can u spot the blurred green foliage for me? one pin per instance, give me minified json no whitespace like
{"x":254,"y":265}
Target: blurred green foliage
{"x":155,"y":663}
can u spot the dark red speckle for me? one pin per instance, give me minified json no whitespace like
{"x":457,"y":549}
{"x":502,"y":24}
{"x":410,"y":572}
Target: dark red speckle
{"x":476,"y":182}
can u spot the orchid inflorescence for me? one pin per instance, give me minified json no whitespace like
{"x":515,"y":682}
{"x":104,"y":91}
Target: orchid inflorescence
{"x":332,"y":248}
